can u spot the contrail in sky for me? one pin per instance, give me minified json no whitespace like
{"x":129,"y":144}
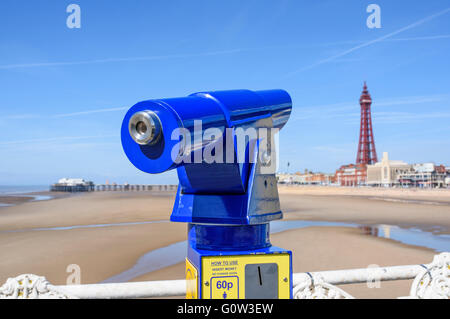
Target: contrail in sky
{"x":62,"y":115}
{"x":132,"y":59}
{"x":114,"y":109}
{"x":231,"y":51}
{"x":365,"y":44}
{"x":431,"y":37}
{"x":55,"y":139}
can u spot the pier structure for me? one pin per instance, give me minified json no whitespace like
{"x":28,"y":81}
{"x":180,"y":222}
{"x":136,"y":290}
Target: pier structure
{"x":134,"y":187}
{"x":72,"y":185}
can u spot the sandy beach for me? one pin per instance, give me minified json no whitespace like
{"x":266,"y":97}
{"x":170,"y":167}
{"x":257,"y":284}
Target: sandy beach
{"x":106,"y":233}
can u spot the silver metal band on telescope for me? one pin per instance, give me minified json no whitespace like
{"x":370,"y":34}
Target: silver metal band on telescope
{"x":144,"y":127}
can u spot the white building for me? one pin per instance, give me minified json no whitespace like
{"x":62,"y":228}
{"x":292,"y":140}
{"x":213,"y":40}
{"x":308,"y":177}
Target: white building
{"x":398,"y":173}
{"x":72,"y":181}
{"x":385,"y":173}
{"x":284,"y":178}
{"x":72,"y":185}
{"x":423,"y":175}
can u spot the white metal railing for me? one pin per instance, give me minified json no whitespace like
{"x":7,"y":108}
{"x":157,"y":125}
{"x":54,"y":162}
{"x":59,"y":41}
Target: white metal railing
{"x":145,"y":289}
{"x":430,"y":281}
{"x":362,"y":275}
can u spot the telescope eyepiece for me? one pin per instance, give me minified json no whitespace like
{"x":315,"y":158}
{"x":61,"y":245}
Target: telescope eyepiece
{"x":145,"y":127}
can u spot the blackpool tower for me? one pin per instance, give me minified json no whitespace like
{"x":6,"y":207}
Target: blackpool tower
{"x":367,"y":153}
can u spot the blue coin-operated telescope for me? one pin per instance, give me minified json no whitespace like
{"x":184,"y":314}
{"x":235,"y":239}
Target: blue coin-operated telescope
{"x":223,"y":145}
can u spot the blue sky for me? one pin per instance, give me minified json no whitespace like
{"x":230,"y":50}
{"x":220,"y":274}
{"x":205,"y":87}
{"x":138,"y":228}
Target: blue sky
{"x":65,"y":91}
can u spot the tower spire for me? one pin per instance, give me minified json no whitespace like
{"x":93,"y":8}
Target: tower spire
{"x":367,"y":153}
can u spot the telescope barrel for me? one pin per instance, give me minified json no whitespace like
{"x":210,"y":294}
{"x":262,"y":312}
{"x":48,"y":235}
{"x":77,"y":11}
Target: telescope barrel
{"x":152,"y":131}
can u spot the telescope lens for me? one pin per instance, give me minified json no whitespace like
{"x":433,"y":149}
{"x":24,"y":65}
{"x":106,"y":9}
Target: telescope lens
{"x":141,"y":128}
{"x":145,"y":127}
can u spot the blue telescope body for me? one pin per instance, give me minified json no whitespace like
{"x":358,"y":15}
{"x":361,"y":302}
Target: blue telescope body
{"x":225,"y":192}
{"x":222,"y":144}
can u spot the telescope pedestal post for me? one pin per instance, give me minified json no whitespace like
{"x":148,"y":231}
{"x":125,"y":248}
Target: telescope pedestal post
{"x":236,"y":262}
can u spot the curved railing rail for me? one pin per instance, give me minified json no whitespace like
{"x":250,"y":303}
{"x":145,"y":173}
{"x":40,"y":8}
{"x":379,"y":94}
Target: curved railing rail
{"x":430,"y":281}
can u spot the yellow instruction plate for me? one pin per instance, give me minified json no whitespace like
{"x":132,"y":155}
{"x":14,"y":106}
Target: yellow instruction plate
{"x":223,"y":277}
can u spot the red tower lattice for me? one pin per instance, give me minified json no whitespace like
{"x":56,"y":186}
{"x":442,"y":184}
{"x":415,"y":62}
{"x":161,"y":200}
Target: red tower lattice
{"x":367,"y":153}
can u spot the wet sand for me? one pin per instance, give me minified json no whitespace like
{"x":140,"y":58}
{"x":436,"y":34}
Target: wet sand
{"x":14,"y":200}
{"x":102,"y":252}
{"x":368,"y":207}
{"x":17,"y":199}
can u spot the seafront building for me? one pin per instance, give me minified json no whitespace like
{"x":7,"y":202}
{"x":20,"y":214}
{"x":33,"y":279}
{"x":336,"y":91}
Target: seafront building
{"x":286,"y":178}
{"x":425,"y":175}
{"x":398,"y":173}
{"x":351,"y":175}
{"x":386,"y":173}
{"x":307,"y":178}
